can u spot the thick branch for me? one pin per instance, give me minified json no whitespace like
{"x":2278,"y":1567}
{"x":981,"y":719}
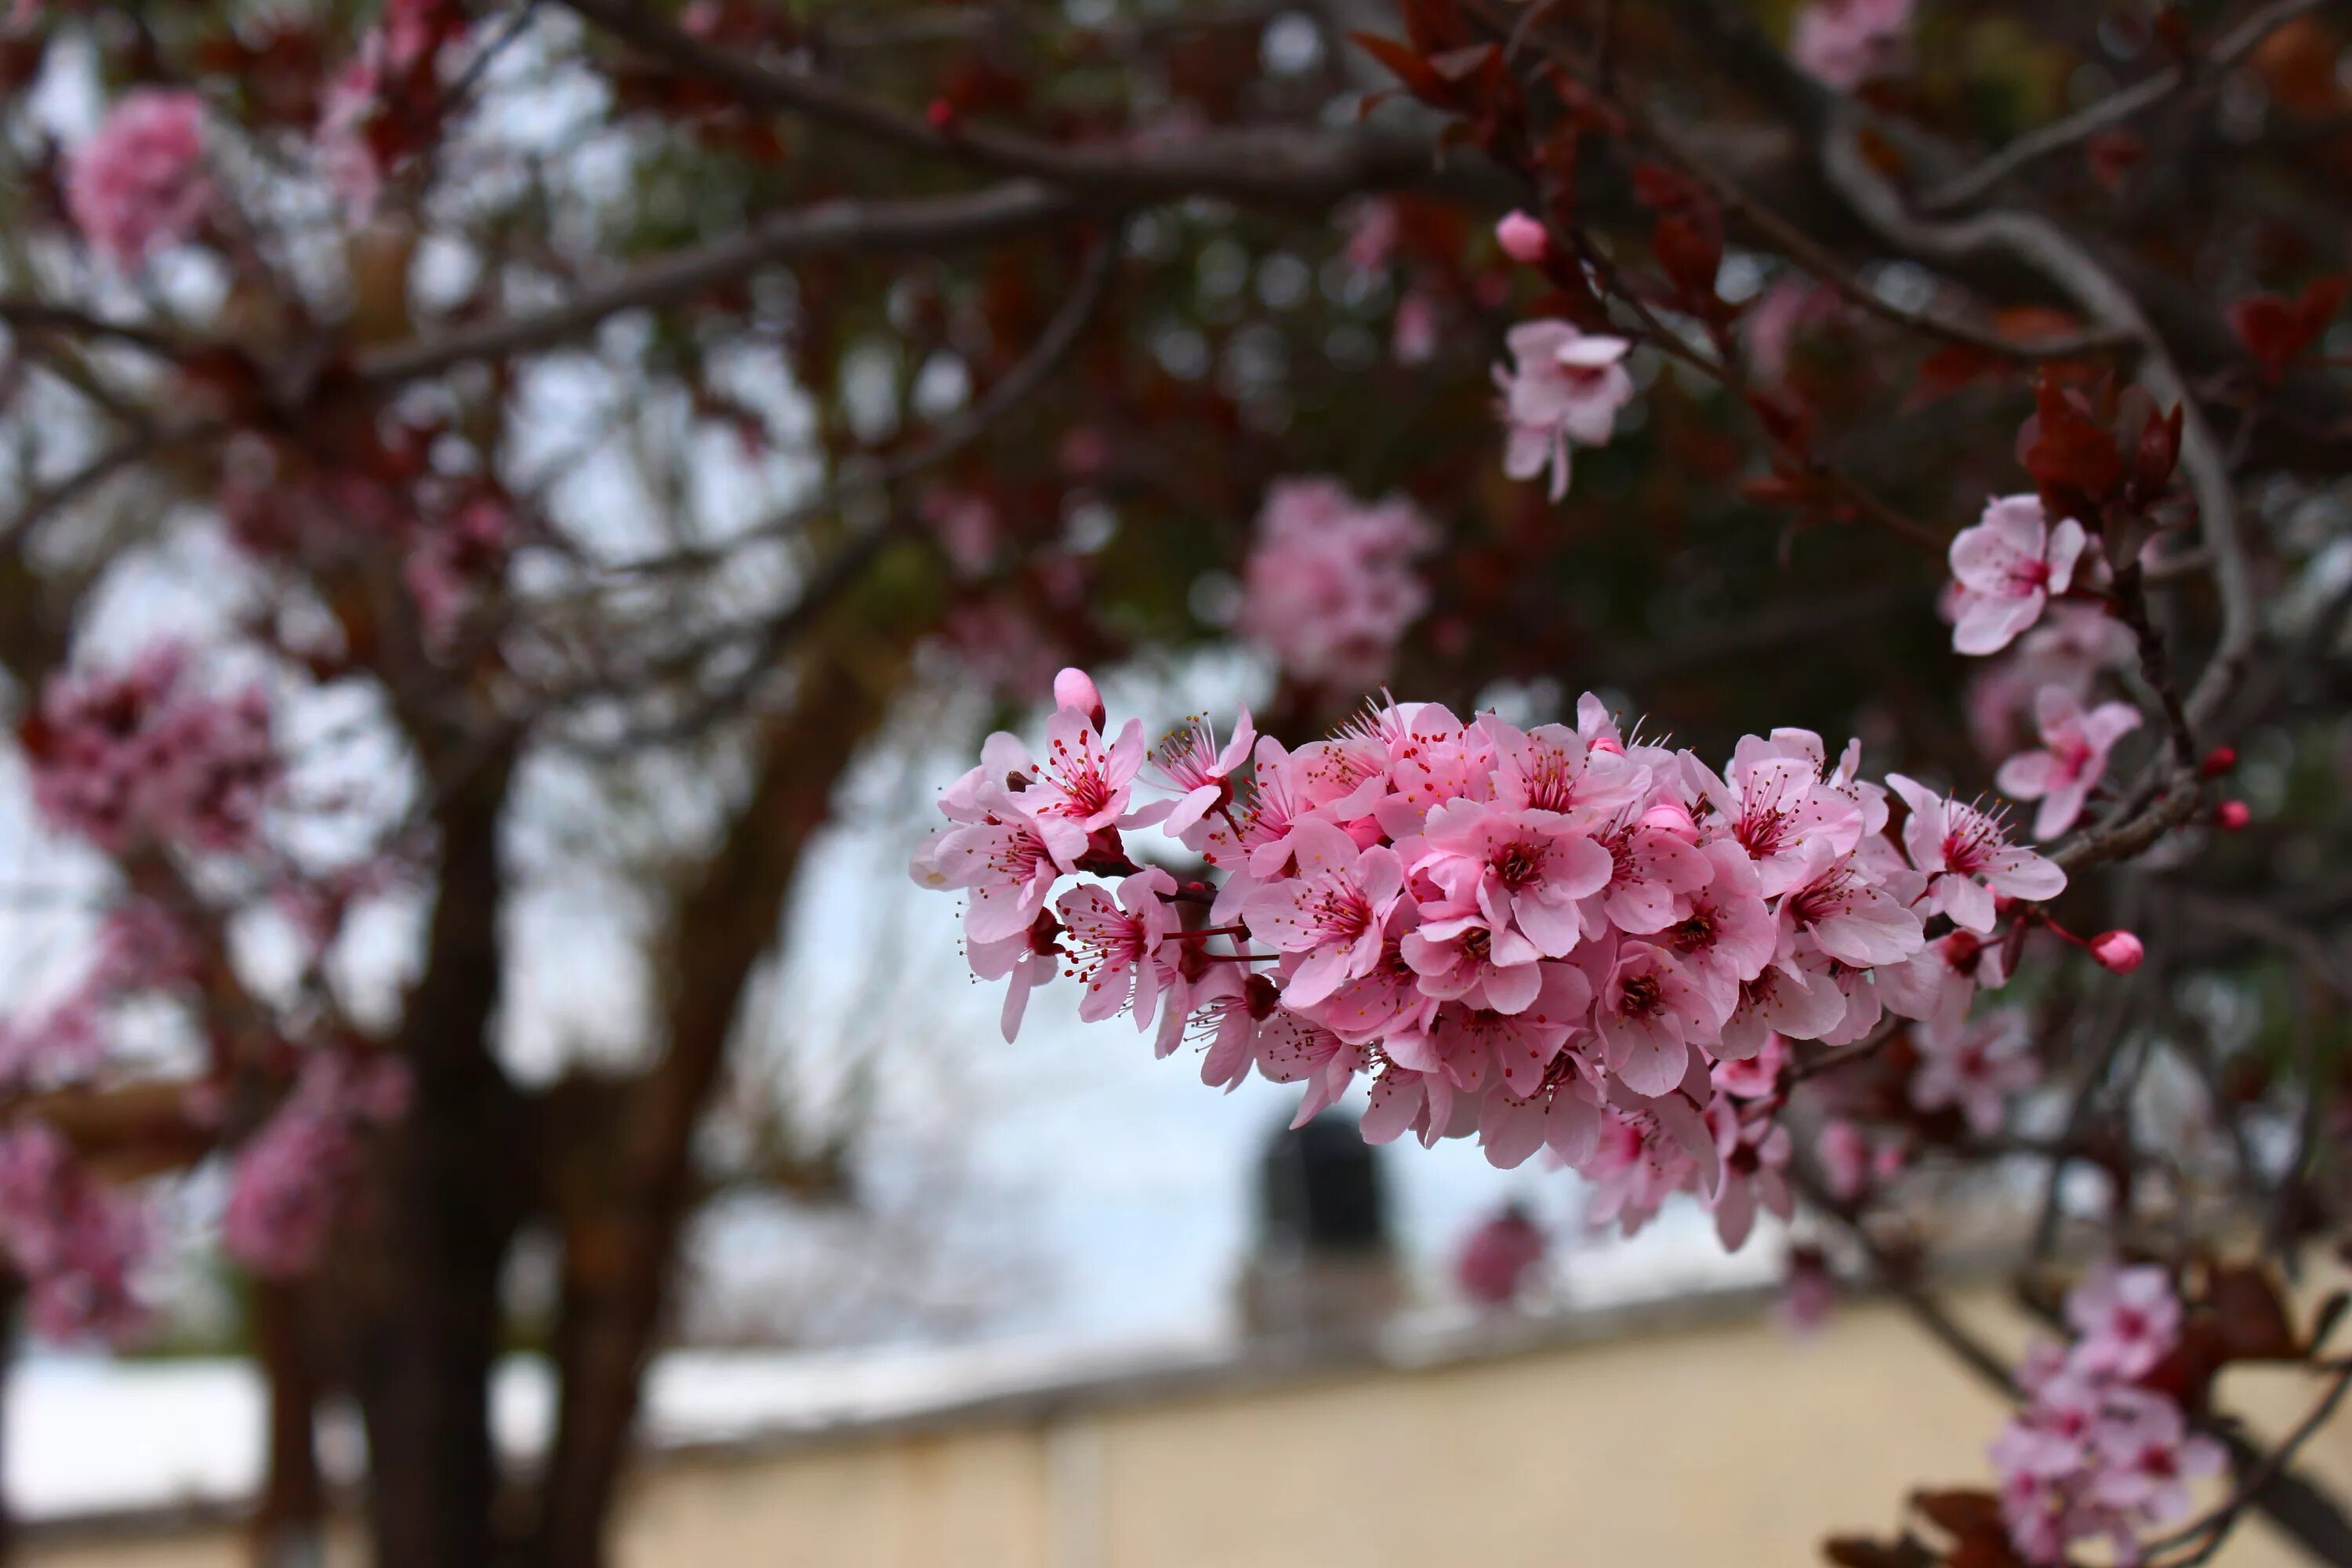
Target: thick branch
{"x":1276,"y":165}
{"x":922,"y":224}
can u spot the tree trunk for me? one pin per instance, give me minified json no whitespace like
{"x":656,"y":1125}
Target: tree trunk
{"x":288,"y":1526}
{"x":424,"y":1266}
{"x":620,"y":1235}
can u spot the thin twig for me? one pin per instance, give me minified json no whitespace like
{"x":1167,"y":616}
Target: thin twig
{"x":2110,"y":110}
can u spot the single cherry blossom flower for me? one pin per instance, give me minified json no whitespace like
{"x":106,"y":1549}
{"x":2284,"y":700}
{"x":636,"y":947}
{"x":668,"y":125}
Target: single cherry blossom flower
{"x":2007,"y":566}
{"x":1646,"y":1013}
{"x":1113,"y":944}
{"x":1335,"y":911}
{"x":1965,"y":852}
{"x":1189,"y":763}
{"x":1565,"y":386}
{"x":2126,"y":1320}
{"x":2071,"y":760}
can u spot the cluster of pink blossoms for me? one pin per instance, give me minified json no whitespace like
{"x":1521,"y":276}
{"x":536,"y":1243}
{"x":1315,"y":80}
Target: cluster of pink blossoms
{"x":290,"y":1175}
{"x":1556,"y":938}
{"x":140,"y":181}
{"x":2007,"y":570}
{"x":1330,"y":585}
{"x":72,"y":1238}
{"x":136,"y":756}
{"x":2094,"y":1454}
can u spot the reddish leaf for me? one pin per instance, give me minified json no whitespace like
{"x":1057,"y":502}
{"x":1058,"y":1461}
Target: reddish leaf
{"x":1861,"y":1552}
{"x":2111,"y":154}
{"x":1953,"y":367}
{"x":2252,"y":1322}
{"x":2275,"y":329}
{"x":1962,"y":1513}
{"x":1408,"y":67}
{"x":2070,"y":456}
{"x":1689,"y":247}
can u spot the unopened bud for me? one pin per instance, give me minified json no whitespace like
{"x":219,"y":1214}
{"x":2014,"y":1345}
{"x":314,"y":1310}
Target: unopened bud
{"x":2219,"y":761}
{"x":1523,"y":238}
{"x":2230,"y":815}
{"x":2119,"y":952}
{"x":1074,"y":687}
{"x":942,"y":116}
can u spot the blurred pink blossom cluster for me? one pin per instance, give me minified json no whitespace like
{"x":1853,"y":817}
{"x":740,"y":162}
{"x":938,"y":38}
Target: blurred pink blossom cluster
{"x":1330,"y":585}
{"x":137,"y":756}
{"x":1844,"y":43}
{"x":290,"y":1175}
{"x":139,"y":182}
{"x":2097,"y":1454}
{"x":1561,"y":938}
{"x":1499,"y":1257}
{"x":139,"y":949}
{"x":454,"y":561}
{"x":73,"y":1239}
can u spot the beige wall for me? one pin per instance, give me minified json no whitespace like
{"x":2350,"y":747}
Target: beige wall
{"x":1731,"y":1446}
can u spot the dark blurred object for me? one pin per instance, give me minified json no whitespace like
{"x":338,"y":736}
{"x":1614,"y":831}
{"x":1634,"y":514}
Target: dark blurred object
{"x":1500,"y":1257}
{"x":1325,"y":1265}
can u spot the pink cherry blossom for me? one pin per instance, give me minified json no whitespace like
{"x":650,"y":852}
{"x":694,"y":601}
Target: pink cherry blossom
{"x":1847,"y":913}
{"x":2008,"y":567}
{"x":1526,"y":869}
{"x":2071,"y":760}
{"x":140,"y":182}
{"x":1728,"y":936}
{"x":1414,"y":330}
{"x":1565,"y":387}
{"x":289,"y":1178}
{"x":1114,"y":944}
{"x":1008,"y":860}
{"x":2125,"y":1320}
{"x":1755,"y":1156}
{"x":1561,"y":939}
{"x":1026,"y":960}
{"x":1190,"y":763}
{"x":1648,"y":1009}
{"x":1974,"y":1066}
{"x":1331,"y":585}
{"x":75,"y":1240}
{"x":1294,"y":1049}
{"x":1844,"y":43}
{"x":2093,"y":1455}
{"x":1498,"y":1258}
{"x":1965,"y":853}
{"x":1335,"y":911}
{"x":138,"y":756}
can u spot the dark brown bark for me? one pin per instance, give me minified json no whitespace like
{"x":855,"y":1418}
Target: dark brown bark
{"x":622,"y":1209}
{"x":423,"y":1261}
{"x":287,"y":1522}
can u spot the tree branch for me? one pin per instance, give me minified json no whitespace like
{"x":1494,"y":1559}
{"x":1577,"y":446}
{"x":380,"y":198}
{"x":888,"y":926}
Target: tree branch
{"x":2111,"y":111}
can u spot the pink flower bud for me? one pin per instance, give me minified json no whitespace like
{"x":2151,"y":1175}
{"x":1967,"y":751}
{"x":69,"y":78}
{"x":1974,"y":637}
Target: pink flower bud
{"x":2219,"y":761}
{"x":2119,"y":952}
{"x":2230,"y":815}
{"x":1523,"y":238}
{"x":1670,"y":816}
{"x":1074,"y":687}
